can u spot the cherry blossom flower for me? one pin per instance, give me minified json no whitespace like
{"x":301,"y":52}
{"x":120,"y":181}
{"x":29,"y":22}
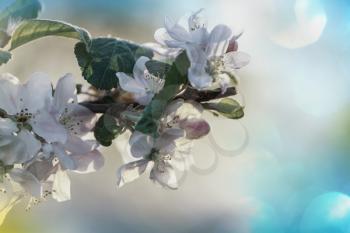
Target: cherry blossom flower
{"x":16,"y":146}
{"x":207,"y":52}
{"x":160,"y":154}
{"x":27,"y":109}
{"x":171,"y":151}
{"x":76,"y":121}
{"x":186,"y":115}
{"x":144,"y":85}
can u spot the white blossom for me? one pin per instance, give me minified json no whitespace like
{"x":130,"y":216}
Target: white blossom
{"x":186,"y":115}
{"x":143,"y":85}
{"x":76,"y":121}
{"x":207,"y":51}
{"x":160,"y":154}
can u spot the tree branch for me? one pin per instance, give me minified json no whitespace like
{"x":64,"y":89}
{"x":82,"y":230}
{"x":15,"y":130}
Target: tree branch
{"x":188,"y":94}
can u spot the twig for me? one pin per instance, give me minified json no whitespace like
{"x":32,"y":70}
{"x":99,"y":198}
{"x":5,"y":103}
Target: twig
{"x":188,"y":94}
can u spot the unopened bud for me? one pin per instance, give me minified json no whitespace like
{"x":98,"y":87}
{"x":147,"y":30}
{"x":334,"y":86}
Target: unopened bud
{"x":233,"y":45}
{"x":195,"y":128}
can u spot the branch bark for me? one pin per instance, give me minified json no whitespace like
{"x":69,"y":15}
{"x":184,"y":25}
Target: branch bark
{"x":188,"y":94}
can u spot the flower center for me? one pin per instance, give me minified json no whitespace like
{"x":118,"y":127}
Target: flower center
{"x":215,"y":65}
{"x":23,"y":116}
{"x":155,"y":84}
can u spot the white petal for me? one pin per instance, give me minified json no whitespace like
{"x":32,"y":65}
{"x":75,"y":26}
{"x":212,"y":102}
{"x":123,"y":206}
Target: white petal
{"x":77,"y":146}
{"x":139,"y":68}
{"x":199,"y":36}
{"x":131,"y":171}
{"x":218,"y":41}
{"x":33,"y":145}
{"x":161,"y":36}
{"x":197,"y":19}
{"x":176,"y":31}
{"x":7,"y":127}
{"x":9,"y":91}
{"x":27,"y":181}
{"x":61,"y":186}
{"x":198,"y":78}
{"x":195,"y":128}
{"x":42,"y":169}
{"x":13,"y":150}
{"x":166,"y":142}
{"x":66,"y":160}
{"x":87,"y":163}
{"x":81,"y":119}
{"x":140,"y":144}
{"x":36,"y":92}
{"x":47,"y":126}
{"x":144,"y":99}
{"x":197,"y":75}
{"x":166,"y":177}
{"x":64,"y":93}
{"x":168,"y":53}
{"x":129,"y":84}
{"x":236,"y":60}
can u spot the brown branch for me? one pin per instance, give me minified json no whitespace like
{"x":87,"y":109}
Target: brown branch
{"x":204,"y":96}
{"x":188,"y":94}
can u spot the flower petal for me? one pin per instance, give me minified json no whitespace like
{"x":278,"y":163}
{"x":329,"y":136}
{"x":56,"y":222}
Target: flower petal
{"x":87,"y":163}
{"x":176,"y":31}
{"x":140,"y":144}
{"x":195,"y":128}
{"x":197,"y":74}
{"x":9,"y":90}
{"x":64,"y":93}
{"x":61,"y":186}
{"x":130,"y":84}
{"x":66,"y":160}
{"x":7,"y":127}
{"x":47,"y":126}
{"x":161,"y":36}
{"x":139,"y":68}
{"x":42,"y":169}
{"x":12,"y":150}
{"x":166,"y":177}
{"x":144,"y":99}
{"x":164,"y":52}
{"x":27,"y":181}
{"x":236,"y":60}
{"x":33,"y":145}
{"x":80,"y":120}
{"x":77,"y":146}
{"x":218,"y":41}
{"x":36,"y":92}
{"x":131,"y":171}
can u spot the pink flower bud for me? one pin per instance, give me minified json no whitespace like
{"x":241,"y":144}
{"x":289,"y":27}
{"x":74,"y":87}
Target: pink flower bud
{"x":233,"y":45}
{"x":195,"y":128}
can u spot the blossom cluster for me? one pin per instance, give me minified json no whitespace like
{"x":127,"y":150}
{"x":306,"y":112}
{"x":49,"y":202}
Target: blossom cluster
{"x":46,"y":133}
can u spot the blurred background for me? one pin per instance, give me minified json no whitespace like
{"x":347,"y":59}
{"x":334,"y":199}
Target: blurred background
{"x":283,"y":168}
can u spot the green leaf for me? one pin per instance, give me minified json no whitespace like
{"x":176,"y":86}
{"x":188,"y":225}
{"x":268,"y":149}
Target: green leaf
{"x":107,"y":129}
{"x":157,"y":68}
{"x":4,"y":38}
{"x":37,"y":28}
{"x":226,"y":107}
{"x":19,"y":9}
{"x":106,"y":57}
{"x":174,"y":80}
{"x":4,"y":57}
